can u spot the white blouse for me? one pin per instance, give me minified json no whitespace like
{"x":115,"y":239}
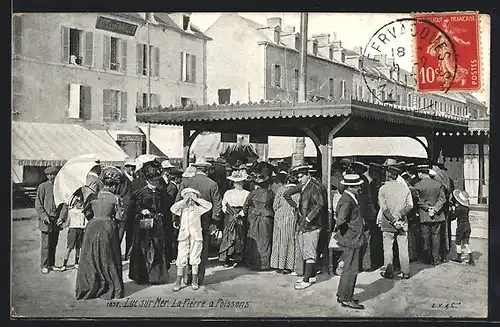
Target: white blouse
{"x":234,"y":198}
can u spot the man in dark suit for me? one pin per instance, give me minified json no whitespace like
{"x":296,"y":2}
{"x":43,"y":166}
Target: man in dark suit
{"x":309,"y":220}
{"x":350,"y":237}
{"x":48,"y":215}
{"x":209,"y":191}
{"x":432,"y":198}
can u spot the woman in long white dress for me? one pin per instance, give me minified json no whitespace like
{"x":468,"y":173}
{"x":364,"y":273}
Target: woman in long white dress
{"x":233,"y":236}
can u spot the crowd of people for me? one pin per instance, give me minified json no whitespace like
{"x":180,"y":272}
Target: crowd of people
{"x":259,"y":215}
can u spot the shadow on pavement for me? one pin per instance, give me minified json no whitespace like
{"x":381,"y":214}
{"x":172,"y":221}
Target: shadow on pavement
{"x":220,"y":276}
{"x":371,"y":291}
{"x":132,"y":287}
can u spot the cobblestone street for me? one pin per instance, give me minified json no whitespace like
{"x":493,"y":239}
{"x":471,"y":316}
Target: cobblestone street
{"x":449,"y":290}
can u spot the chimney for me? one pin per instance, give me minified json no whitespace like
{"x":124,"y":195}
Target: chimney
{"x":358,"y":50}
{"x":291,"y":40}
{"x":323,"y":39}
{"x":339,"y":54}
{"x":382,"y":58}
{"x":274,"y":21}
{"x":326,"y":51}
{"x":288,"y":29}
{"x":312,"y":46}
{"x":334,"y":36}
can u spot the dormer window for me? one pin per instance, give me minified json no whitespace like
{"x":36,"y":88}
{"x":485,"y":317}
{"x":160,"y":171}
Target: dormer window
{"x":185,"y":23}
{"x":330,"y":53}
{"x":315,"y":48}
{"x":297,"y":42}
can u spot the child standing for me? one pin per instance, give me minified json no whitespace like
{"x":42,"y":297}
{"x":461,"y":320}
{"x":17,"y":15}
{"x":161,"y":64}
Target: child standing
{"x":189,"y":210}
{"x":77,"y":223}
{"x":461,"y":214}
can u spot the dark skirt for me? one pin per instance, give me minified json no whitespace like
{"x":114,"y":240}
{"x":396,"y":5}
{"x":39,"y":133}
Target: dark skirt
{"x":100,"y":268}
{"x":233,"y":237}
{"x":149,"y":261}
{"x":258,"y":244}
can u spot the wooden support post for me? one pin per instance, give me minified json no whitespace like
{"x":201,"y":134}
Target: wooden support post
{"x":186,"y":146}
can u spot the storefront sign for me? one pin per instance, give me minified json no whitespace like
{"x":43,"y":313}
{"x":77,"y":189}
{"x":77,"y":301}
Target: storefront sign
{"x":129,"y":138}
{"x":112,"y":25}
{"x":260,"y":139}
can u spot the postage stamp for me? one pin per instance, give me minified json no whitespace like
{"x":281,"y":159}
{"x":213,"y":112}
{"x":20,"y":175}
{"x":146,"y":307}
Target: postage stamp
{"x":438,"y":69}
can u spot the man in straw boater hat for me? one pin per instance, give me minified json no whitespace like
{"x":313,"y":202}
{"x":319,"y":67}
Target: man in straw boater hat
{"x":188,"y":212}
{"x":350,"y":237}
{"x":460,"y":212}
{"x":432,"y":197}
{"x":309,"y":220}
{"x":395,"y":202}
{"x":209,"y":191}
{"x":48,"y":215}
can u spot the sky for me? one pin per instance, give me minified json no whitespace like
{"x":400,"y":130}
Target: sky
{"x":354,"y":29}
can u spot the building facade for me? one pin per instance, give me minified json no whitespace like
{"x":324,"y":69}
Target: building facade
{"x":92,"y":69}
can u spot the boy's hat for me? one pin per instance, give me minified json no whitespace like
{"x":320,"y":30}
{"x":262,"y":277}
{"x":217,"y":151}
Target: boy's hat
{"x":187,"y":193}
{"x":188,"y":190}
{"x":462,"y":197}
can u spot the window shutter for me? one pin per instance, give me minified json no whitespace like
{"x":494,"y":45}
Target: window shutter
{"x":87,"y":102}
{"x":273,"y":75}
{"x":139,"y":100}
{"x":124,"y":100}
{"x":140,"y":59}
{"x":193,"y":69}
{"x":65,"y":45}
{"x":182,"y":67}
{"x":107,"y":52}
{"x":340,"y":90}
{"x":88,"y":59}
{"x":106,"y":104}
{"x":74,"y":101}
{"x":156,"y":71}
{"x":123,"y":49}
{"x":18,"y":36}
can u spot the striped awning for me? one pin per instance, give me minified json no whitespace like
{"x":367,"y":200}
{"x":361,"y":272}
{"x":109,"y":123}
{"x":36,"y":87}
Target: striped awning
{"x":44,"y":144}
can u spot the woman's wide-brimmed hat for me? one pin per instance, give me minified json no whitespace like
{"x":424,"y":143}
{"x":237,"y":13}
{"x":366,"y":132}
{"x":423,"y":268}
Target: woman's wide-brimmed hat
{"x":187,"y":193}
{"x":238,"y":176}
{"x":143,"y":159}
{"x":462,"y":197}
{"x":152,"y":170}
{"x":351,"y":180}
{"x":201,"y":162}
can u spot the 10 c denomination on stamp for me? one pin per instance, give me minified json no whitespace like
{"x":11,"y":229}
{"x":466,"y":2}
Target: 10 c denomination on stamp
{"x":437,"y":69}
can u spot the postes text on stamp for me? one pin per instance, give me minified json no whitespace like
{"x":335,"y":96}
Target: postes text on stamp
{"x":437,"y":69}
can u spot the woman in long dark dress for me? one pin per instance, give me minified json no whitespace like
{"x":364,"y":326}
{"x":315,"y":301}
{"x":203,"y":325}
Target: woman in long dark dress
{"x":100,"y":269}
{"x":149,"y":211}
{"x":258,"y":209}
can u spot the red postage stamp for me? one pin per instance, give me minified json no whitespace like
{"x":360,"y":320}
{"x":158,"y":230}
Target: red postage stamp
{"x":447,"y":51}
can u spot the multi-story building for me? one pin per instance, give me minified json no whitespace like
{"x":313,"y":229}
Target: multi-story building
{"x":95,"y":69}
{"x":270,"y":70}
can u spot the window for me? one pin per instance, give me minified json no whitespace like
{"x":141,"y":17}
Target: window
{"x":330,"y":53}
{"x":114,"y":105}
{"x":17,"y":33}
{"x":115,"y":54}
{"x":186,"y":102}
{"x":188,"y":68}
{"x":77,"y":47}
{"x":142,"y":100}
{"x":331,"y":88}
{"x":315,"y":48}
{"x":296,"y":78}
{"x":382,"y":96}
{"x":424,"y":102}
{"x":406,"y":79}
{"x":17,"y":92}
{"x":143,"y":60}
{"x":398,"y":98}
{"x":224,"y":96}
{"x":343,"y":90}
{"x":185,"y":23}
{"x":79,"y":102}
{"x":436,"y":105}
{"x":409,"y":104}
{"x":276,"y":78}
{"x":297,"y":42}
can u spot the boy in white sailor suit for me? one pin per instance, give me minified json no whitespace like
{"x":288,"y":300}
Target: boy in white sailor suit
{"x":189,"y":209}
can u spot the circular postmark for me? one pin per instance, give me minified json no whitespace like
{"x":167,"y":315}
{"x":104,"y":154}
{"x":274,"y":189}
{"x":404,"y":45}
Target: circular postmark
{"x":405,"y":53}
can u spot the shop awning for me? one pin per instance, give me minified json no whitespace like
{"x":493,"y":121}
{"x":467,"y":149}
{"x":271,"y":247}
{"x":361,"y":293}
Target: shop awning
{"x":169,"y":140}
{"x":283,"y":147}
{"x":44,"y":144}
